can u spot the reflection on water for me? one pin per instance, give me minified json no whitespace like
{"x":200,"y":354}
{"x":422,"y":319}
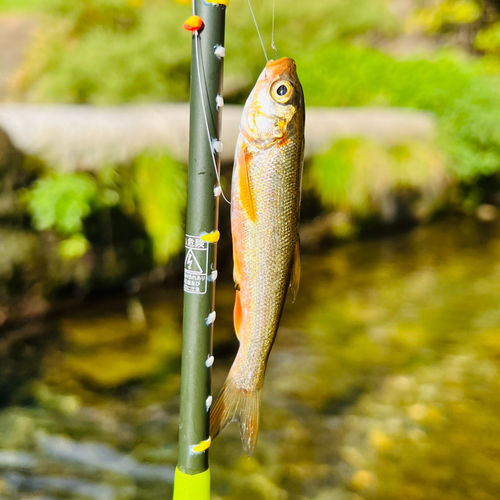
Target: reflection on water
{"x":383,"y":384}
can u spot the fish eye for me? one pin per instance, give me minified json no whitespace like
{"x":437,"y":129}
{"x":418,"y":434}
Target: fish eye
{"x":282,"y":91}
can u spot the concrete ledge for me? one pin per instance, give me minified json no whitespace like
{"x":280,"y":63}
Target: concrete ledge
{"x":70,"y":137}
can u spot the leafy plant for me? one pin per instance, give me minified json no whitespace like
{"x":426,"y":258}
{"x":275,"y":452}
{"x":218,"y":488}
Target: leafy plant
{"x":443,"y":14}
{"x":466,"y":102}
{"x":160,"y":187}
{"x":61,"y":201}
{"x":152,"y":190}
{"x":360,"y":175}
{"x":488,"y":39}
{"x":111,"y":51}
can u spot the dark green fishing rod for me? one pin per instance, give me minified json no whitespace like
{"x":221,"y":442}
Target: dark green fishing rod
{"x":192,"y":478}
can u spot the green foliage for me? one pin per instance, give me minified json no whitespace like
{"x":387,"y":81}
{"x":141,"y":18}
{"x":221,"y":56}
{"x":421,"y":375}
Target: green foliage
{"x":73,"y":247}
{"x":488,"y":39}
{"x":110,"y":51}
{"x":476,"y":22}
{"x":466,"y":103}
{"x":153,"y":190}
{"x":113,"y":51}
{"x":160,"y":186}
{"x":471,"y":131}
{"x":61,"y":201}
{"x":343,"y":75}
{"x":443,"y":14}
{"x":23,"y":5}
{"x":360,"y":175}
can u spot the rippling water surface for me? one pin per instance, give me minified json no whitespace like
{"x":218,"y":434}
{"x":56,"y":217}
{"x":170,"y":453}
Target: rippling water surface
{"x":383,"y":384}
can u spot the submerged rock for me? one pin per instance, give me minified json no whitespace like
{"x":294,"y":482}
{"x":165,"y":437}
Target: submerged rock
{"x":11,"y":459}
{"x":96,"y":455}
{"x":19,"y":483}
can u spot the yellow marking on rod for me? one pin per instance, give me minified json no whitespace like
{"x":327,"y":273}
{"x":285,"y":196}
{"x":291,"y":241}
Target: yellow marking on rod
{"x":203,"y":445}
{"x":220,"y":2}
{"x":211,"y":237}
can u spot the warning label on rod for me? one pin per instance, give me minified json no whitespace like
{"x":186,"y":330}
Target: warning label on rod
{"x":196,"y":265}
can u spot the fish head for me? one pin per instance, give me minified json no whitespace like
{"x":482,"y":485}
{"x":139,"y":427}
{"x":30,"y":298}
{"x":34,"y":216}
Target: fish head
{"x":274,"y":111}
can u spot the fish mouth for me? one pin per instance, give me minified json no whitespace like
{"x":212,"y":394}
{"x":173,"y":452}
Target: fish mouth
{"x":280,"y":67}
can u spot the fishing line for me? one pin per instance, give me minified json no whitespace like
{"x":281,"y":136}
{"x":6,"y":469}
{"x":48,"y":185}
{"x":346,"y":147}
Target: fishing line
{"x":258,"y":31}
{"x":273,"y":46}
{"x":198,"y":63}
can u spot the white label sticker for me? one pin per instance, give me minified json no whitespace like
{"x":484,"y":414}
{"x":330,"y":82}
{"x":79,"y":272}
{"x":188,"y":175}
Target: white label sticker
{"x":196,"y":265}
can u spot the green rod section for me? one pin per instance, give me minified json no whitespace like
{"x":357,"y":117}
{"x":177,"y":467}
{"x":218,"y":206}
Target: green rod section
{"x":200,"y":260}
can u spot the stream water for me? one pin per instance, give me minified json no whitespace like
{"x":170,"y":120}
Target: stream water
{"x":384,"y":383}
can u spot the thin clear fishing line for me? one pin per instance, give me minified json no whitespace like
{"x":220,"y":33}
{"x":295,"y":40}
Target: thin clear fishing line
{"x":273,"y":45}
{"x":258,"y":31}
{"x":198,"y":62}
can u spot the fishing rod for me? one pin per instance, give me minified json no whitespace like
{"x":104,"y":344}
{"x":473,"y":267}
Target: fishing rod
{"x":207,"y":24}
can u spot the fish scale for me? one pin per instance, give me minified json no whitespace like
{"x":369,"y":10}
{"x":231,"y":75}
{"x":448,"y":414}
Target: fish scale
{"x":270,"y":244}
{"x":265,"y":210}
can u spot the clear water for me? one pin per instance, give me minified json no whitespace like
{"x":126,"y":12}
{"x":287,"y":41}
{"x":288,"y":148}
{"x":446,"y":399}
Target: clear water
{"x":384,"y":383}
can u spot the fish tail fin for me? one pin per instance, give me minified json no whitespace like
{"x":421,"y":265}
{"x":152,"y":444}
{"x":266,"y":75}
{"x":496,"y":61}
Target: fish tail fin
{"x":240,"y":405}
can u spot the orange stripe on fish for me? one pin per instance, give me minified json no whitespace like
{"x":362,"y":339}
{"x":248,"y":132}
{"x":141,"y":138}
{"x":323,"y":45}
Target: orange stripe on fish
{"x":247,"y":202}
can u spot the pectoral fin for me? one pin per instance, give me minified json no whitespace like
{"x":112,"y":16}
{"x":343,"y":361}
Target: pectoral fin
{"x":295,"y":272}
{"x":246,"y":195}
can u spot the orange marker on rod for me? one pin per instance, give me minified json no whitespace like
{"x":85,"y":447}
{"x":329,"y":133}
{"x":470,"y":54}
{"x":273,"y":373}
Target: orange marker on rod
{"x":193,"y":23}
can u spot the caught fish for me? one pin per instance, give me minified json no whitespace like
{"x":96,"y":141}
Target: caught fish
{"x":265,"y":206}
